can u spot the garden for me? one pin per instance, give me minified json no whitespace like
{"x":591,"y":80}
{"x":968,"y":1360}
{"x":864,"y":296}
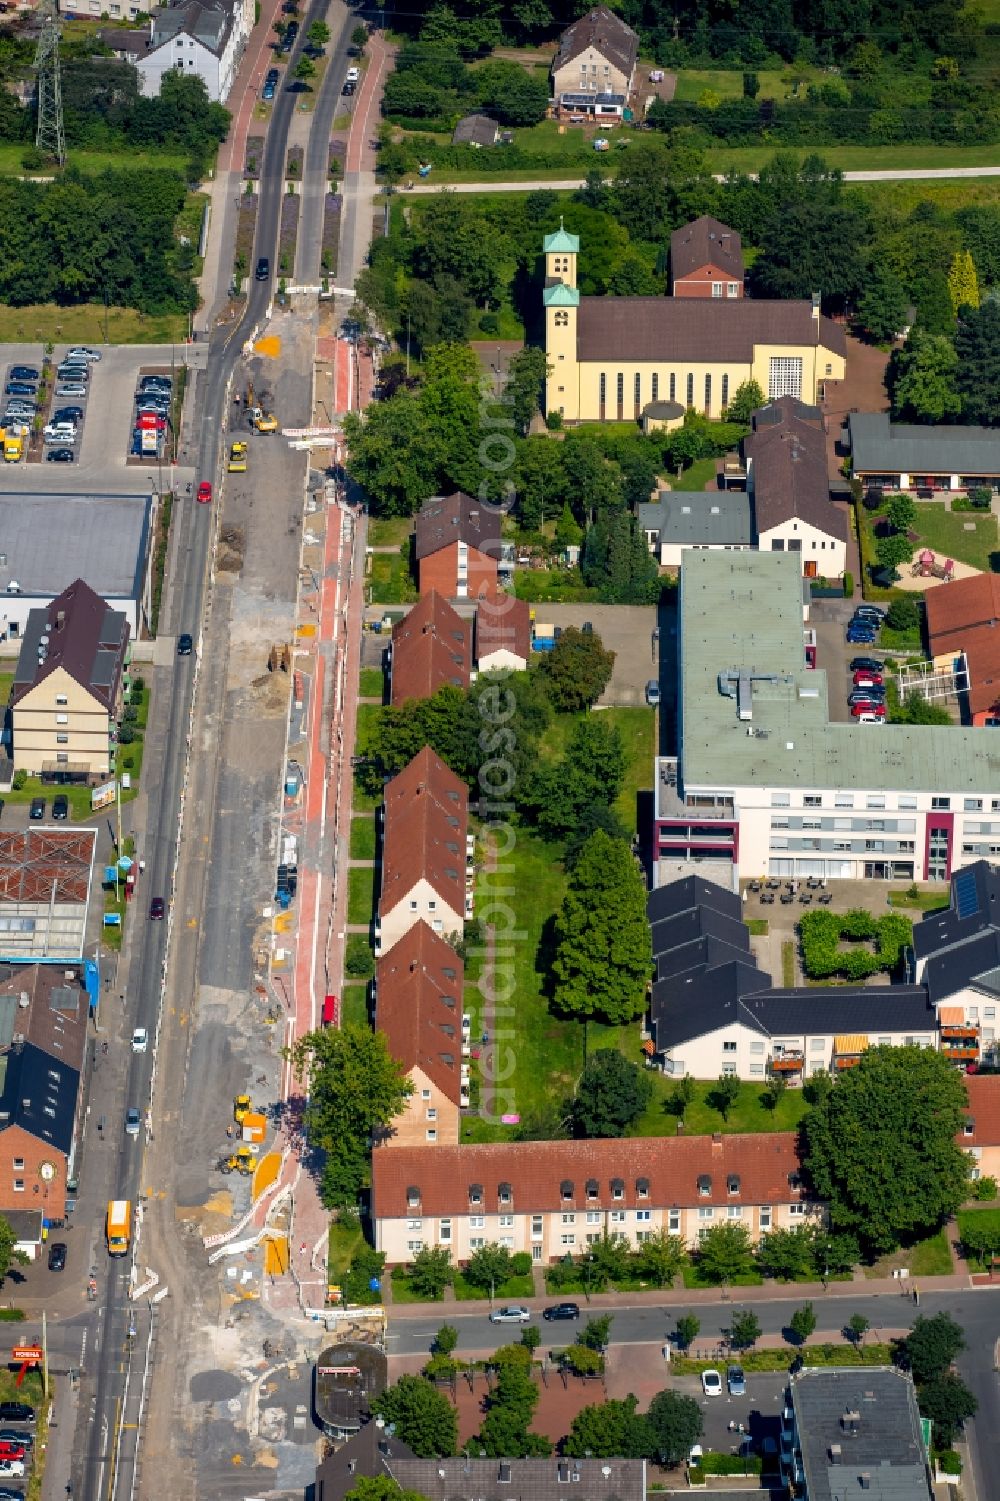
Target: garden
{"x":876,"y":945}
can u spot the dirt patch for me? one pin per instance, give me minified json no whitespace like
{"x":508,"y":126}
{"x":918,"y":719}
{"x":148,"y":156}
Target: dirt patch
{"x":231,"y":549}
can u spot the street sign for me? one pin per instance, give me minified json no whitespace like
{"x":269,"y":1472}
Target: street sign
{"x":30,"y":1353}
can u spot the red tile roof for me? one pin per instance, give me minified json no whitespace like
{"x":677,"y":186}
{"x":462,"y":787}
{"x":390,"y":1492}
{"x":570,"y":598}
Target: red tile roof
{"x":419,"y":1006}
{"x":426,"y":822}
{"x":983,"y":1091}
{"x":705,"y":242}
{"x":431,"y":646}
{"x":503,"y":624}
{"x":966,"y":617}
{"x":537,"y":1171}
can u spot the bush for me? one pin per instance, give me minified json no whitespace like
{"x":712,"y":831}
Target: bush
{"x":949,"y":1462}
{"x":126,"y":733}
{"x":730,"y":1464}
{"x":985,"y":1188}
{"x":553,"y":421}
{"x":981,"y":496}
{"x":822,"y":932}
{"x":903,"y":614}
{"x":520,"y":1264}
{"x":359,"y":961}
{"x":20,"y":779}
{"x":848,"y":585}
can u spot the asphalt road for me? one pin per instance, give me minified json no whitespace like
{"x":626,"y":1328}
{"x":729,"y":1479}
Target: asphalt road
{"x":978,"y":1312}
{"x":148,"y":956}
{"x":316,"y":175}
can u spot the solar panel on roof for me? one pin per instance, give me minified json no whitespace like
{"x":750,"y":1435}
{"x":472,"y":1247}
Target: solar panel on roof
{"x":966,"y":896}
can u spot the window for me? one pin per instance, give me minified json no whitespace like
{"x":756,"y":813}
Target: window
{"x":725,"y":390}
{"x":729,"y":1070}
{"x":655,"y":386}
{"x":907,"y":801}
{"x":708,"y":393}
{"x":844,"y":800}
{"x":536,"y":1253}
{"x":567,"y":1240}
{"x":476,"y":1222}
{"x":643,"y":1216}
{"x":414,"y":1224}
{"x":757,"y":1047}
{"x":618,"y":1216}
{"x":476,"y":1242}
{"x":637,"y":392}
{"x":536,"y":1227}
{"x":62,"y":756}
{"x":620,"y":387}
{"x":593,"y":1216}
{"x":19,"y":1185}
{"x":673,"y":386}
{"x":795,"y":1211}
{"x":19,"y":1164}
{"x":444,"y":1235}
{"x":716,"y":289}
{"x":569,"y":1219}
{"x":874,"y":800}
{"x":413,"y":906}
{"x":756,"y":1070}
{"x":431,"y":1133}
{"x":506,"y":1221}
{"x":62,"y":719}
{"x":812,"y":800}
{"x":729,"y":1047}
{"x":432,"y":1115}
{"x":941,"y":804}
{"x":706,"y":1214}
{"x":785,"y":377}
{"x":425,"y":1094}
{"x":61,"y":698}
{"x":674,"y":1221}
{"x":690,"y":389}
{"x":562,"y":319}
{"x":734,"y":1212}
{"x":732,"y":290}
{"x":973,"y":805}
{"x":602,"y":391}
{"x":780,"y":799}
{"x":765,"y":1219}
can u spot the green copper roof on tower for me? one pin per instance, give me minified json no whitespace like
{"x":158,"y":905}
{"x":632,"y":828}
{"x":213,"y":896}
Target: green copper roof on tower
{"x":561,"y":242}
{"x":561,"y":296}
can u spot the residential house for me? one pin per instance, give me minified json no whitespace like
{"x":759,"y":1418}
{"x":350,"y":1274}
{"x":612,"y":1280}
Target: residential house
{"x":44,"y":1016}
{"x":788,"y":481}
{"x":980,"y":1135}
{"x":426,"y":852}
{"x":128,"y":46}
{"x":765,"y":783}
{"x":458,"y":547}
{"x":431,"y":646}
{"x":593,"y":71}
{"x":68,"y":689}
{"x":905,"y":456}
{"x":503,"y":634}
{"x":847,"y":1432}
{"x":956,"y":954}
{"x":682,"y":519}
{"x":374,"y":1453}
{"x":418,"y":1007}
{"x":963,"y":627}
{"x":612,"y":356}
{"x":206,"y":38}
{"x":706,"y":260}
{"x":475,"y":130}
{"x":555,"y":1198}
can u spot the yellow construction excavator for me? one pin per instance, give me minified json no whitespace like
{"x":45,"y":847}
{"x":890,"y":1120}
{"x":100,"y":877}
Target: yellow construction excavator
{"x":242,"y":1161}
{"x":263,"y":422}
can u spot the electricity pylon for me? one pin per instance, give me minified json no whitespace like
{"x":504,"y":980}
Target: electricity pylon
{"x":50,"y":136}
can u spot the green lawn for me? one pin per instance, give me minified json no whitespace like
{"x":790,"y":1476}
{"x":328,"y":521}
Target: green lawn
{"x":362,"y":839}
{"x":699,"y":474}
{"x":372,"y":680}
{"x":6,"y":682}
{"x":514,"y":1287}
{"x":345,"y":1240}
{"x":390,"y":581}
{"x":945,"y":533}
{"x":553,"y":586}
{"x":984,"y":1218}
{"x":390,"y":531}
{"x":545,"y":1054}
{"x":86,"y":324}
{"x":355,"y":1007}
{"x":360,"y":895}
{"x":638,"y":731}
{"x":926,"y":1258}
{"x":788,"y":965}
{"x":692,"y":1277}
{"x":748,"y":1114}
{"x":83,"y":160}
{"x":924,"y":901}
{"x":775,"y":83}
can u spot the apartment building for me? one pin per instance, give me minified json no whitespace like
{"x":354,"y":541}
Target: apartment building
{"x":457,"y":546}
{"x":610,"y":357}
{"x":706,"y":260}
{"x":427,"y":870}
{"x":554,"y":1198}
{"x":956,"y":955}
{"x":766,"y":784}
{"x":431,"y":647}
{"x":595,"y":63}
{"x":418,"y":1006}
{"x":980,"y":1135}
{"x":849,"y":1432}
{"x":68,"y":688}
{"x":713,"y":1011}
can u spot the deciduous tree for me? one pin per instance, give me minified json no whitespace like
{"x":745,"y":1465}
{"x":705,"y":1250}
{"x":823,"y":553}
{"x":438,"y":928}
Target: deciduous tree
{"x":604,"y":956}
{"x":744,"y":1329}
{"x":948,"y":1402}
{"x":610,"y":1430}
{"x":431,"y":1272}
{"x":423,"y":1416}
{"x":882,"y":1150}
{"x":524,"y":386}
{"x":688,"y":1327}
{"x":611,"y":1095}
{"x":576,"y":671}
{"x":921,"y":378}
{"x":725,"y":1252}
{"x":660,"y":1258}
{"x":676,"y":1423}
{"x":489,"y":1266}
{"x":931,"y":1346}
{"x":748,"y":398}
{"x":882,"y":304}
{"x":803,"y":1323}
{"x":977,"y":348}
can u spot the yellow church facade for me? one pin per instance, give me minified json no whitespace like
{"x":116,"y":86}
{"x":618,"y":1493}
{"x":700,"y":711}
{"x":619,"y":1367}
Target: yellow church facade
{"x":612,"y":357}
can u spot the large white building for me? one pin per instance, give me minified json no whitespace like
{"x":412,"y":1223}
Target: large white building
{"x":766,"y":783}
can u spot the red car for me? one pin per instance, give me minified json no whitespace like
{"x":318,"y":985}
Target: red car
{"x":204,"y":493}
{"x":877,"y":709}
{"x":868,"y":679}
{"x":11,"y":1451}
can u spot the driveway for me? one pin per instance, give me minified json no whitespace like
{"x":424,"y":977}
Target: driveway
{"x":627,"y":630}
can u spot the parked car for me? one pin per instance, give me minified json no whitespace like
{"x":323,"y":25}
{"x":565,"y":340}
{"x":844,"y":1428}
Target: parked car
{"x":273,"y":74}
{"x":20,"y":388}
{"x":11,"y":1450}
{"x":156,"y":383}
{"x":16,"y":1412}
{"x":184,"y":644}
{"x":868,"y":680}
{"x":11,"y":1469}
{"x":140,"y":1042}
{"x":60,"y":456}
{"x":80,"y":351}
{"x":860,"y":711}
{"x":8,"y":1493}
{"x":353,"y":74}
{"x":867,"y":716}
{"x":37,"y":810}
{"x":156,"y":909}
{"x":72,"y":371}
{"x":22,"y":372}
{"x":17,"y":1436}
{"x":67,"y":414}
{"x":872,"y":612}
{"x":71,"y":388}
{"x":133,"y":1121}
{"x":711,"y":1383}
{"x":736,"y":1381}
{"x":263,"y":271}
{"x":865,"y":696}
{"x":859,"y":635}
{"x":57,"y":1256}
{"x":866,"y":664}
{"x":60,"y":807}
{"x":511,"y":1313}
{"x":562,"y":1311}
{"x":267,"y":93}
{"x":652,"y":693}
{"x":348,"y":88}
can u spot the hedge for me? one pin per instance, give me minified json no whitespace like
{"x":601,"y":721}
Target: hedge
{"x":821,"y":933}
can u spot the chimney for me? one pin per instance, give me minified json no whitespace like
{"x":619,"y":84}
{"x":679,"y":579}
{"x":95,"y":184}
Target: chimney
{"x":865,"y":1480}
{"x":836,"y":1454}
{"x":716,"y":1143}
{"x":60,"y":619}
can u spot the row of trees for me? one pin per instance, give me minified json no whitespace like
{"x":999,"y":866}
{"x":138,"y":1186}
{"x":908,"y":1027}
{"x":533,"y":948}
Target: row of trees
{"x":432,"y":84}
{"x":937,"y":377}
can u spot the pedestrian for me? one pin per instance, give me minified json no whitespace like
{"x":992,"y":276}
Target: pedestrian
{"x":142,"y":867}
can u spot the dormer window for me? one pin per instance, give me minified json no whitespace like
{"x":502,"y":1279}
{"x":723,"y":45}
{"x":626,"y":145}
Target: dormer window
{"x":733,"y":1183}
{"x":704,"y":1185}
{"x":618,"y":1188}
{"x":794,"y":1181}
{"x":566,"y":1189}
{"x":593,"y":1188}
{"x":506,"y":1193}
{"x":413,"y":1197}
{"x":475,"y":1193}
{"x":970,"y":1126}
{"x":642,"y":1188}
{"x":503,"y":1474}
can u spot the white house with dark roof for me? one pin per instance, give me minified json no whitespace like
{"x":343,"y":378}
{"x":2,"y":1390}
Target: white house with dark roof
{"x":594,"y":69}
{"x":788,"y":481}
{"x":905,"y":456}
{"x":682,"y":519}
{"x":202,"y":37}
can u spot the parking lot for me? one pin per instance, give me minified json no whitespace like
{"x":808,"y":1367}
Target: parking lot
{"x":759,"y":1410}
{"x":627,"y":630}
{"x":100,"y":461}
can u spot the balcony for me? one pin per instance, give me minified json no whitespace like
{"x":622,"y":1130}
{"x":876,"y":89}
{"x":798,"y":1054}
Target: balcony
{"x":846,"y":1060}
{"x":961,"y":1052}
{"x":961,"y":1031}
{"x":787,"y":1063}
